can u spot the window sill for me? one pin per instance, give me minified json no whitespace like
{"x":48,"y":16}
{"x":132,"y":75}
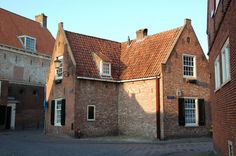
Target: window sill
{"x":90,"y":120}
{"x":57,"y":125}
{"x":193,"y":125}
{"x":222,"y":85}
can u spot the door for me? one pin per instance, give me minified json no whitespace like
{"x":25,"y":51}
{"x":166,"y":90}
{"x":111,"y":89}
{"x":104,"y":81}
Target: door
{"x":8,"y":123}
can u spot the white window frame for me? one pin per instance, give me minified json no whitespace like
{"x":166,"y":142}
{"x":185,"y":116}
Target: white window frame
{"x":94,"y":107}
{"x":196,"y":124}
{"x":230,"y":148}
{"x":225,"y":62}
{"x":217,"y":73}
{"x":60,"y":58}
{"x":194,"y":66}
{"x":55,"y":112}
{"x":24,"y":43}
{"x":217,"y":2}
{"x":101,"y":68}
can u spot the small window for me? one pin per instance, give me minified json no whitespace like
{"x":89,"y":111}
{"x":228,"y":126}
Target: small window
{"x":230,"y":148}
{"x":105,"y":68}
{"x":225,"y":56}
{"x":217,"y":73}
{"x":189,"y":66}
{"x":91,"y":113}
{"x":28,"y":43}
{"x":191,"y":114}
{"x":59,"y":69}
{"x":58,"y":108}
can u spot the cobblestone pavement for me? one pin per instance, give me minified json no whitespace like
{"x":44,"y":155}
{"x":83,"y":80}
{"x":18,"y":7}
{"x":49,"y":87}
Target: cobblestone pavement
{"x":35,"y":143}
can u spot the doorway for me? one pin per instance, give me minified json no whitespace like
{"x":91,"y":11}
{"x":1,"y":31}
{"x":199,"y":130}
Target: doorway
{"x":11,"y":115}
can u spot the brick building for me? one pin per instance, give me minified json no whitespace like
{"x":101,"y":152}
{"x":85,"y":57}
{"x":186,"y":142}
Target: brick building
{"x":155,"y":86}
{"x":221,"y":28}
{"x":25,"y":54}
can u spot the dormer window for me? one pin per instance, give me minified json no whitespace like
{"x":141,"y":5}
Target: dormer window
{"x":28,"y":43}
{"x":105,"y":68}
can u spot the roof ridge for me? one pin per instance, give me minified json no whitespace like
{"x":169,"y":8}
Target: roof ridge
{"x":93,"y":37}
{"x":20,"y":16}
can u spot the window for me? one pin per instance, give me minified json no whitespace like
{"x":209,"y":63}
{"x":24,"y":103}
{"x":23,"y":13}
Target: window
{"x":105,"y":68}
{"x":58,"y":112}
{"x":59,"y":69}
{"x":225,"y":56}
{"x":191,"y":112}
{"x":191,"y":116}
{"x":230,"y":148}
{"x":217,"y":73}
{"x":29,"y":43}
{"x":216,"y":4}
{"x":91,"y":113}
{"x":189,"y":66}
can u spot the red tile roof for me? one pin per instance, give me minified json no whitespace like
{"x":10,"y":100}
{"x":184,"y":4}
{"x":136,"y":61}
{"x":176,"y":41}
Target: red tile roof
{"x":83,"y":46}
{"x":139,"y":60}
{"x":13,"y":25}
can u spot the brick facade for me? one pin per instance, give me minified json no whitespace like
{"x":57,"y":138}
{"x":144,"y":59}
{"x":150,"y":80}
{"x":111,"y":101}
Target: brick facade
{"x":137,"y":108}
{"x":221,"y":26}
{"x":173,"y":81}
{"x":134,"y":107}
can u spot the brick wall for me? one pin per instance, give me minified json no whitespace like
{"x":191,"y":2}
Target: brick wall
{"x":223,"y":100}
{"x":29,"y":110}
{"x":65,"y":89}
{"x":137,"y":109}
{"x":22,"y":66}
{"x":173,"y":80}
{"x":104,"y":96}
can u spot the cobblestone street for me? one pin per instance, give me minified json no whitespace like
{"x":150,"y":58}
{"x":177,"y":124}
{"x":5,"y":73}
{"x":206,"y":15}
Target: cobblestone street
{"x":35,"y":143}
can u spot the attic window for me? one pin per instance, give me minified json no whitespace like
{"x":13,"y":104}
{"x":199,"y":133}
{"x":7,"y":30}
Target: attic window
{"x":28,"y":43}
{"x":105,"y":68}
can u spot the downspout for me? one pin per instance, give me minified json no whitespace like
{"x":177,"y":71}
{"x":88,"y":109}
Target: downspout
{"x":158,"y":108}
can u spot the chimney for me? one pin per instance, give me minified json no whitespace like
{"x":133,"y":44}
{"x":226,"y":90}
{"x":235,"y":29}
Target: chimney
{"x":187,"y":21}
{"x":42,"y":19}
{"x":141,"y":34}
{"x":129,"y":41}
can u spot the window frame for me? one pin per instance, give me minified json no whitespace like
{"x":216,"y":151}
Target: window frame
{"x":55,"y":112}
{"x":217,"y":73}
{"x":217,"y":2}
{"x":24,"y":43}
{"x":61,"y":67}
{"x":230,"y":148}
{"x":225,"y":63}
{"x":194,"y":66}
{"x":94,"y":113}
{"x":101,"y":68}
{"x":196,"y":124}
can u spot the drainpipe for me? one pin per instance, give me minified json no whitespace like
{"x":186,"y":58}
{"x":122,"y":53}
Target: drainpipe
{"x":158,"y":129}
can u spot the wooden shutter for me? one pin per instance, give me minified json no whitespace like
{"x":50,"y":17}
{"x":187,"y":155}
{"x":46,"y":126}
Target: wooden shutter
{"x":2,"y":114}
{"x":52,"y":111}
{"x":181,"y":112}
{"x":201,"y":112}
{"x":63,"y":112}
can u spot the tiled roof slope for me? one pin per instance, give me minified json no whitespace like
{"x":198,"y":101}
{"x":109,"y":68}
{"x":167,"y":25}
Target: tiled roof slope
{"x":13,"y":25}
{"x":83,"y":46}
{"x":143,"y":58}
{"x":139,"y":60}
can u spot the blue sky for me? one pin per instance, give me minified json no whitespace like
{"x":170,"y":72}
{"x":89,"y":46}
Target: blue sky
{"x":117,"y":19}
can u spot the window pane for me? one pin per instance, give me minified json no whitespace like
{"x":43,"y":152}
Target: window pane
{"x":90,"y":112}
{"x":190,"y":111}
{"x":106,"y":68}
{"x":30,"y":44}
{"x":188,"y":65}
